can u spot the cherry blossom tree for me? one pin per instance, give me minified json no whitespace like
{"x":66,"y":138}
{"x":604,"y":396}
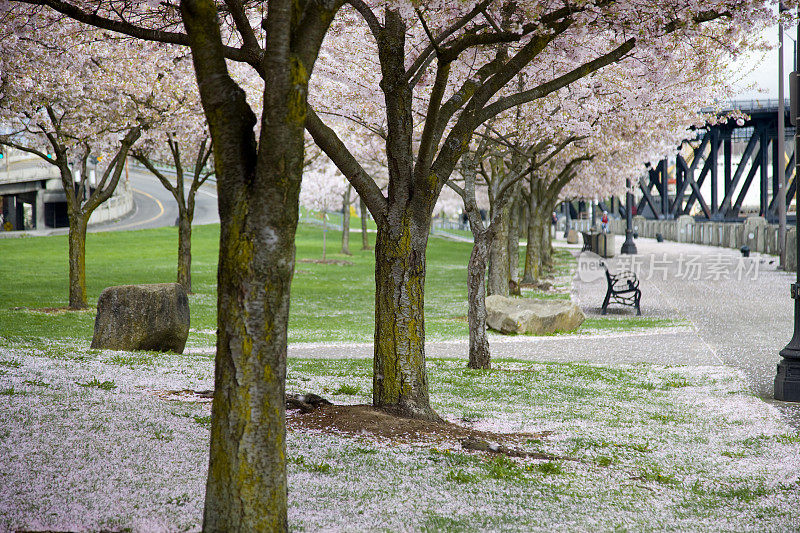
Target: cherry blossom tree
{"x":69,"y":100}
{"x":459,"y":61}
{"x":180,"y":134}
{"x":258,"y":177}
{"x":454,"y":66}
{"x":198,"y":171}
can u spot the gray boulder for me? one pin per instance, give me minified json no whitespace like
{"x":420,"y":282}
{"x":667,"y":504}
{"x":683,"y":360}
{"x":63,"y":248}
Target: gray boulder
{"x":142,"y":317}
{"x":526,"y":315}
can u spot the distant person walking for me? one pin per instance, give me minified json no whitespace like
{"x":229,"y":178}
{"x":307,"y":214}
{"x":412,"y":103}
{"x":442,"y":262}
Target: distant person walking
{"x":604,"y":221}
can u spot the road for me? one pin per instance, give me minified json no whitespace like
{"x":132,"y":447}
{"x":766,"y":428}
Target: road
{"x":155,"y":206}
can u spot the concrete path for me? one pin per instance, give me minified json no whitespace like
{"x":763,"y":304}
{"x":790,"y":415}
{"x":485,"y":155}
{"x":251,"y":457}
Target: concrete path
{"x":739,"y":309}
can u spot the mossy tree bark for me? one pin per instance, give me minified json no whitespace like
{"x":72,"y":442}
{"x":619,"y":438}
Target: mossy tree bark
{"x":513,"y":241}
{"x":545,"y":223}
{"x":258,"y":187}
{"x":185,"y":200}
{"x":400,"y":379}
{"x":185,"y":250}
{"x":498,"y":255}
{"x":533,"y":258}
{"x":77,"y":261}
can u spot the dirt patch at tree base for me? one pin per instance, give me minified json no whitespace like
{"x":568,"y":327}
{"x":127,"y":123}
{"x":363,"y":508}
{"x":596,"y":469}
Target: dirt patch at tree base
{"x":312,"y":412}
{"x":367,"y":420}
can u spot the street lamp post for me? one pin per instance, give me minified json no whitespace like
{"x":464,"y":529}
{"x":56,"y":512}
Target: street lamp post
{"x":787,"y":380}
{"x":567,"y":218}
{"x":781,"y":152}
{"x":628,"y":247}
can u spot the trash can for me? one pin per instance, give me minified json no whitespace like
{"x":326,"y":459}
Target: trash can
{"x":603,"y":244}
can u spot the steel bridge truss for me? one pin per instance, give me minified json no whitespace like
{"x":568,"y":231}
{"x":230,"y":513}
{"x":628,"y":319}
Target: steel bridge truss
{"x":727,"y":192}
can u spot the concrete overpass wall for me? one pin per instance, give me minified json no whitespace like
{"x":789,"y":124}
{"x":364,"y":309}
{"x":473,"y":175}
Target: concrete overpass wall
{"x":26,"y":179}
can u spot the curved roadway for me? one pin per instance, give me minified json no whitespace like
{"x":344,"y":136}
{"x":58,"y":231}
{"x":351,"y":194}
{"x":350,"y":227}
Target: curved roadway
{"x":155,"y":207}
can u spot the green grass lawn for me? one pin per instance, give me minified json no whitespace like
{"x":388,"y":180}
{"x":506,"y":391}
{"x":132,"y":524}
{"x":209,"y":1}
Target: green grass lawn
{"x":330,"y":302}
{"x":637,"y":447}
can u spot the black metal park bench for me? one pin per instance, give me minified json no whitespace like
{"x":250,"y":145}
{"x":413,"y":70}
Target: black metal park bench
{"x":623,"y":288}
{"x":587,"y":241}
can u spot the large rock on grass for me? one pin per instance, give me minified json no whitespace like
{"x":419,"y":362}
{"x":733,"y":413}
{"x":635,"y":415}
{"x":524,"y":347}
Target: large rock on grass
{"x":142,"y":317}
{"x":537,"y":317}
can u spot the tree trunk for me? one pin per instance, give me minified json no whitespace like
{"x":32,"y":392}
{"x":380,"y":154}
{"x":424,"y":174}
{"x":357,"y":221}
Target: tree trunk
{"x":246,"y":488}
{"x":532,"y":258}
{"x":479,"y":355}
{"x":259,"y":186}
{"x":400,"y":380}
{"x":533,"y":253}
{"x":513,"y":241}
{"x":498,"y":256}
{"x":77,"y":261}
{"x":364,"y":237}
{"x":346,"y":221}
{"x":324,"y":233}
{"x":545,"y":242}
{"x":185,"y":251}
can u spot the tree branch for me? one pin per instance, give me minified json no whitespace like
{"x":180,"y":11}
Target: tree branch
{"x":126,"y":28}
{"x":368,"y":16}
{"x":544,"y":89}
{"x":336,"y":150}
{"x":427,"y":148}
{"x":249,"y":39}
{"x":102,"y":194}
{"x":423,"y":58}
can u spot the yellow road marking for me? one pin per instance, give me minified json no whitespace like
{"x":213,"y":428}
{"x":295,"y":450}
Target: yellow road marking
{"x":160,"y":212}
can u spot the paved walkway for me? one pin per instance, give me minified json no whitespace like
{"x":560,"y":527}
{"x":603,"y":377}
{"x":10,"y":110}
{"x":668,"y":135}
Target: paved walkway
{"x":737,"y":312}
{"x":739,"y":309}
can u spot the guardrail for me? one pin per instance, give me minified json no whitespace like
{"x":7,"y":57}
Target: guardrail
{"x":747,"y":106}
{"x":754,"y":232}
{"x":168,"y":170}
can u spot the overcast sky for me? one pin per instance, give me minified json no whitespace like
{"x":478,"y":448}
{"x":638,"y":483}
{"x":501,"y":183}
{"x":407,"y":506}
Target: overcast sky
{"x":761,"y":68}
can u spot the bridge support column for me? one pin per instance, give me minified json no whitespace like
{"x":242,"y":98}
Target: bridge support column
{"x":713,"y":156}
{"x":38,"y":210}
{"x":764,"y":174}
{"x":13,"y":211}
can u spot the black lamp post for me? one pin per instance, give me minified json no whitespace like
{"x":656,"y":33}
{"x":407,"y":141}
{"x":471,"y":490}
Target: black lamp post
{"x":567,"y":218}
{"x":787,"y":381}
{"x":628,"y":247}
